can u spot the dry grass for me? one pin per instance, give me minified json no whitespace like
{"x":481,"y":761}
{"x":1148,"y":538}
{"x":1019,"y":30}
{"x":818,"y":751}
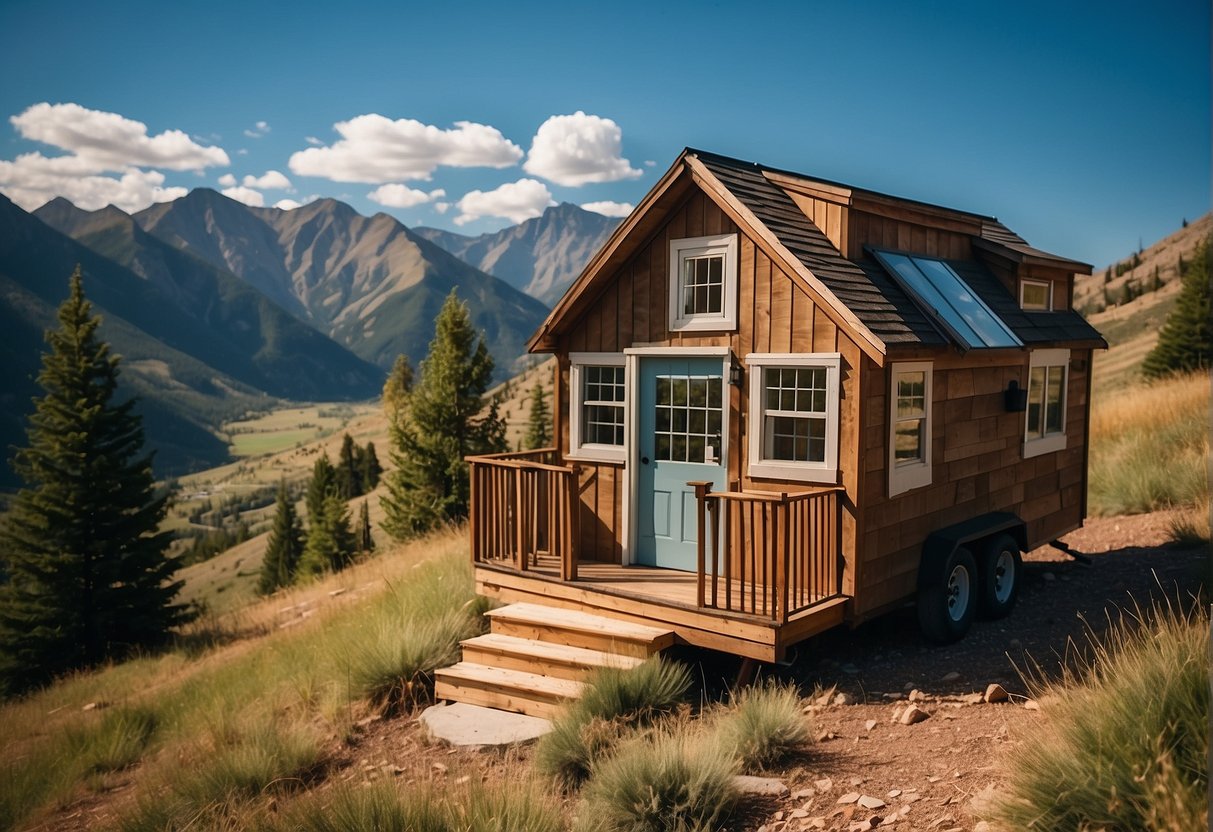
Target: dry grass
{"x":1150,"y":447}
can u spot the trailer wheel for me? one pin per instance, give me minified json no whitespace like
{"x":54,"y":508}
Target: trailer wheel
{"x":1000,"y":568}
{"x":947,"y":595}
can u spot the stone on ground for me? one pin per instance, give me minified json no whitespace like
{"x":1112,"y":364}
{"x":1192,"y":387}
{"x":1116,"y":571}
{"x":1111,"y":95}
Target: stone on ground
{"x":913,"y":715}
{"x":996,"y":693}
{"x":464,"y":724}
{"x":764,"y":786}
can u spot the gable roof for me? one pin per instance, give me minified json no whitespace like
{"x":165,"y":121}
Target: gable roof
{"x":859,"y":295}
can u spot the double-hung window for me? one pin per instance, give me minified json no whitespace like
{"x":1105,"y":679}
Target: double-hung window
{"x":703,"y":283}
{"x":597,"y":429}
{"x":910,"y":427}
{"x":794,"y":416}
{"x":1045,"y":425}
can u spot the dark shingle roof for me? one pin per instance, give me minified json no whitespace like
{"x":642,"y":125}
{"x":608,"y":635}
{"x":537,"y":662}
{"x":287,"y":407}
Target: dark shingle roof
{"x":866,"y":289}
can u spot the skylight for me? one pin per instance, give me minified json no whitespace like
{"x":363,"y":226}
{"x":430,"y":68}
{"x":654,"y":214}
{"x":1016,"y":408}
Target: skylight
{"x":948,"y":300}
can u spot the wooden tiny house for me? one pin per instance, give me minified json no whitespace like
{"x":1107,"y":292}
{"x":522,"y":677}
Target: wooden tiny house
{"x":784,"y":404}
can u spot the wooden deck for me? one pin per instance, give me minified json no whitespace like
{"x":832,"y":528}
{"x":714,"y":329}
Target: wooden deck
{"x":655,"y":597}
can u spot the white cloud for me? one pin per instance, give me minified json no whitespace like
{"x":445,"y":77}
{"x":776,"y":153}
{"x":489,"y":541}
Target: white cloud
{"x":578,"y":149}
{"x":649,"y":163}
{"x":246,"y":195}
{"x":608,"y":208}
{"x":313,"y":141}
{"x":287,"y":204}
{"x":104,"y":141}
{"x":401,"y":196}
{"x":227,"y":181}
{"x":32,"y":180}
{"x":271,"y":180}
{"x":259,"y":130}
{"x":516,"y":201}
{"x":376,"y":149}
{"x":442,"y":207}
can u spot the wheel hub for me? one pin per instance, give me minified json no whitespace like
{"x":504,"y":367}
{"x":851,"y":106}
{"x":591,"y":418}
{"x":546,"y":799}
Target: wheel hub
{"x":958,"y":593}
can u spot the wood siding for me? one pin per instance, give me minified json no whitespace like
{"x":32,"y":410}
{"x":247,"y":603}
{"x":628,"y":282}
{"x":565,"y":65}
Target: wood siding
{"x":774,"y":315}
{"x":978,"y":466}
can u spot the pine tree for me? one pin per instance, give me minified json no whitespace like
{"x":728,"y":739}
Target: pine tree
{"x":397,"y":387}
{"x":371,"y":469}
{"x":1184,"y":342}
{"x":284,"y":548}
{"x":366,"y":541}
{"x":539,"y":423}
{"x":330,"y":542}
{"x":430,"y":483}
{"x":88,"y":577}
{"x":323,"y":481}
{"x":348,"y":476}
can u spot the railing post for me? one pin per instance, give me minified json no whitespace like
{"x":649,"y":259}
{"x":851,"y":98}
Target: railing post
{"x":519,"y":560}
{"x":473,"y":506}
{"x":572,"y":536}
{"x":785,"y":546}
{"x":701,"y":494}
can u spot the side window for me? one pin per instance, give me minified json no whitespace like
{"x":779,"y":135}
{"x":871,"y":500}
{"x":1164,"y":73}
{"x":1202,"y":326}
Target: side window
{"x":1045,"y":422}
{"x":909,"y":427}
{"x":597,"y":407}
{"x":1036,"y":295}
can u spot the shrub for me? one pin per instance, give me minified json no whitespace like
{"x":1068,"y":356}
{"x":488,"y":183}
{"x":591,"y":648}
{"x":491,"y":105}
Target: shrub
{"x":763,"y":726}
{"x":1190,"y":529}
{"x":1125,"y":744}
{"x":118,"y":742}
{"x":666,"y":782}
{"x":614,"y":702}
{"x":637,"y":694}
{"x":509,"y":807}
{"x":394,"y":665}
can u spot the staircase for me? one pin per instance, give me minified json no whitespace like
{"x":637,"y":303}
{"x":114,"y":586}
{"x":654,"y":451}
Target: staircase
{"x":535,"y":658}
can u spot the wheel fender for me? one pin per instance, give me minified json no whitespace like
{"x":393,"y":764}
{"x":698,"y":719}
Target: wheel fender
{"x":942,"y":542}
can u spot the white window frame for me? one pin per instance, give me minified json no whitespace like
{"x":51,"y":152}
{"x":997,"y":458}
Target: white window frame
{"x":758,"y":466}
{"x":1048,"y":284}
{"x":594,"y":452}
{"x":1035,"y":446}
{"x":724,"y":245}
{"x":909,"y":475}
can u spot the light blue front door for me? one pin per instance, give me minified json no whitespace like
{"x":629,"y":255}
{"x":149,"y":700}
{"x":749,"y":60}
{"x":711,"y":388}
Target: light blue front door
{"x":681,"y":423}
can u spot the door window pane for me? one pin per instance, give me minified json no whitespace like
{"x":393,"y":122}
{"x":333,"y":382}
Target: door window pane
{"x":688,"y":418}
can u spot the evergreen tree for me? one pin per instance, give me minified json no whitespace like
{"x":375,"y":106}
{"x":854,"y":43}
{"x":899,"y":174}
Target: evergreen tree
{"x":1184,"y":342}
{"x":429,"y":485}
{"x":1156,"y":284}
{"x":397,"y":387}
{"x":330,"y":542}
{"x":285,"y":545}
{"x":371,"y":469}
{"x":88,"y":577}
{"x":323,"y":481}
{"x":366,"y":542}
{"x":539,"y":423}
{"x":347,"y":478}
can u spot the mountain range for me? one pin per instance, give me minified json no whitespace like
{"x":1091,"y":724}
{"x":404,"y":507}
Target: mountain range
{"x":219,"y":308}
{"x":541,"y":256}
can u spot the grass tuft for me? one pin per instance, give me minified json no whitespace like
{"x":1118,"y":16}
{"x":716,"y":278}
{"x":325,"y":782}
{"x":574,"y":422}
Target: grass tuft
{"x":394,"y":665}
{"x":380,"y":807}
{"x":116,"y":743}
{"x":614,"y":703}
{"x":763,"y":726}
{"x":1125,"y":743}
{"x":667,"y":782}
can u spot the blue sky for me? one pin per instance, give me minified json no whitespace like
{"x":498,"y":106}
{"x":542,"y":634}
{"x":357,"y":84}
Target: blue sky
{"x":1085,"y":127}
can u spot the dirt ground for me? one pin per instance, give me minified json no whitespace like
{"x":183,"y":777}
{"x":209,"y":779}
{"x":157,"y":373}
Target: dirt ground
{"x":936,"y":775}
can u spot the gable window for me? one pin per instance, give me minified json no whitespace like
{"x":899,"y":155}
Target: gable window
{"x":1045,"y":425}
{"x":794,"y":416}
{"x":703,"y":283}
{"x":910,"y":427}
{"x":1036,"y":295}
{"x":597,"y":407}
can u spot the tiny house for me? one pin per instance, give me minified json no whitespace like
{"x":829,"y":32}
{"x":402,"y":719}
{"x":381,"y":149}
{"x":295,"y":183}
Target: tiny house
{"x":784,"y":404}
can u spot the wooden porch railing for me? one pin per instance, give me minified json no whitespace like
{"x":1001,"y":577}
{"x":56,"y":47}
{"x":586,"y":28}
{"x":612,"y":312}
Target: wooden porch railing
{"x":523,"y":505}
{"x":771,"y":554}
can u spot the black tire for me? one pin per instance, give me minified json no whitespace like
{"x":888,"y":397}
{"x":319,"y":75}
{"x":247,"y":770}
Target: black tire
{"x":1000,"y":567}
{"x":947,"y":595}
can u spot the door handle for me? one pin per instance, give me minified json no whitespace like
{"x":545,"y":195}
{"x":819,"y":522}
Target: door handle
{"x":644,"y":460}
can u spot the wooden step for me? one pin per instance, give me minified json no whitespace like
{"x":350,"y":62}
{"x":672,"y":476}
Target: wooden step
{"x":504,"y":689}
{"x":579,"y":629}
{"x":550,"y":659}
